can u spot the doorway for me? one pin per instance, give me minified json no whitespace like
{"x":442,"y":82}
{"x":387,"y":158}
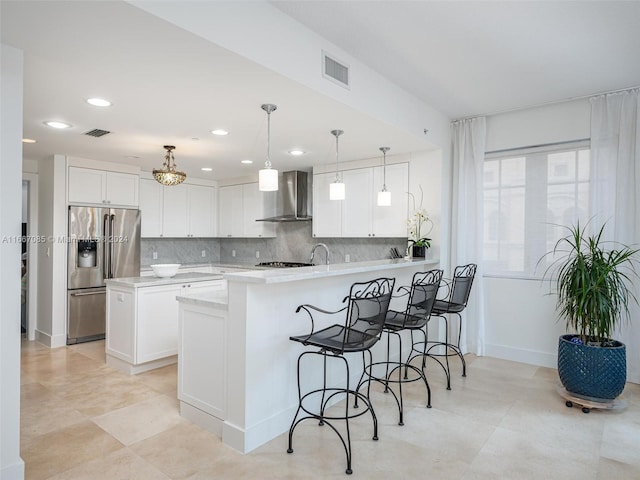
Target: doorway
{"x":29,"y":253}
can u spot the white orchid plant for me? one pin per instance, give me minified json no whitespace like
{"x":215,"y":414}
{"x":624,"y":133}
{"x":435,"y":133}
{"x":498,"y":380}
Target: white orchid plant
{"x":419,"y":224}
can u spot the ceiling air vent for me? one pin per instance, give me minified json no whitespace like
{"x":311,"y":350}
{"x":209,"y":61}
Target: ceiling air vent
{"x":96,"y":132}
{"x":334,"y":70}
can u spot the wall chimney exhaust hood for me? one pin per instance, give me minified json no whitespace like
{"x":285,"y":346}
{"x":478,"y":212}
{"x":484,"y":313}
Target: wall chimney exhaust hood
{"x":293,"y":197}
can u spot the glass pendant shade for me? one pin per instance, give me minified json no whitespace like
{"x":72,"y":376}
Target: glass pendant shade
{"x":268,"y":180}
{"x":384,"y":196}
{"x":336,"y":191}
{"x":168,"y":175}
{"x":268,"y":177}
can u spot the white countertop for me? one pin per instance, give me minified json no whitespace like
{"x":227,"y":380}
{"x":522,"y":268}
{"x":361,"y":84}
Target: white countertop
{"x":216,"y":299}
{"x":152,"y":281}
{"x":281,"y":275}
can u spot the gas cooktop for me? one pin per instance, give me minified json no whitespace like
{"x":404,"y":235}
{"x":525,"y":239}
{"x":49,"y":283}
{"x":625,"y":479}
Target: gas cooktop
{"x":283,"y":264}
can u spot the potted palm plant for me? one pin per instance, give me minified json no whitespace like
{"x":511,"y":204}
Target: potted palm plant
{"x":593,"y":286}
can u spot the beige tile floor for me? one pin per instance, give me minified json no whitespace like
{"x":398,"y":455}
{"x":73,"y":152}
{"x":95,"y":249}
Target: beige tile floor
{"x":83,"y":420}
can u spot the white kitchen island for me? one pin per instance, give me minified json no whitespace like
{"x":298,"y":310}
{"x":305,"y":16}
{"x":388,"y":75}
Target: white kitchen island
{"x":142,"y":318}
{"x":236,"y":364}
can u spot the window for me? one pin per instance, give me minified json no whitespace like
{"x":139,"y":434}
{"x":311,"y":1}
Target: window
{"x":528,"y":195}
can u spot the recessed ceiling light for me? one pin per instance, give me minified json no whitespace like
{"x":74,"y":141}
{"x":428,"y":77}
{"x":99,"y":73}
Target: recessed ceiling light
{"x":29,"y":140}
{"x":246,"y":161}
{"x":219,"y":131}
{"x":98,"y":102}
{"x":296,"y":152}
{"x":207,"y":169}
{"x":57,"y":124}
{"x":131,"y":156}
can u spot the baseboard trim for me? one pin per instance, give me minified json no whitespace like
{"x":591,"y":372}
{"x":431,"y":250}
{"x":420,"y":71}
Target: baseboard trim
{"x":14,"y":471}
{"x":522,"y":355}
{"x":51,"y":341}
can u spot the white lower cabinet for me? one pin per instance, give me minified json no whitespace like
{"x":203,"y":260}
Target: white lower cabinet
{"x":142,"y":323}
{"x":358,"y":215}
{"x":202,"y":369}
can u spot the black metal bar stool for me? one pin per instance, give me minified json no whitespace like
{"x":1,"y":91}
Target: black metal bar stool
{"x":459,"y":288}
{"x":421,"y":296}
{"x":365,"y":313}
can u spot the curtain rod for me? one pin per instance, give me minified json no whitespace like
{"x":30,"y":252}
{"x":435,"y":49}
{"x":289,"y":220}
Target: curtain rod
{"x":544,"y":104}
{"x":551,"y":144}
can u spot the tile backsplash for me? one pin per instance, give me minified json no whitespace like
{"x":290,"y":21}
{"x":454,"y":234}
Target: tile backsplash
{"x":179,"y":250}
{"x":293,"y":242}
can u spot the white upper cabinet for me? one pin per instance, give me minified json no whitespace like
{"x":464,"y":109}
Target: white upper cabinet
{"x":391,"y":221}
{"x":179,"y":211}
{"x":327,"y":214}
{"x":358,"y":215}
{"x":239,"y":208}
{"x":91,"y":186}
{"x":150,"y":208}
{"x":202,"y":219}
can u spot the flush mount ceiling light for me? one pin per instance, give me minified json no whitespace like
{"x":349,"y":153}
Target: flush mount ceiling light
{"x":29,"y":140}
{"x":168,"y":175}
{"x":207,"y":169}
{"x":268,"y":177}
{"x":220,"y":131}
{"x":57,"y":124}
{"x":336,"y":189}
{"x":99,"y":102}
{"x":384,"y":196}
{"x":296,"y":152}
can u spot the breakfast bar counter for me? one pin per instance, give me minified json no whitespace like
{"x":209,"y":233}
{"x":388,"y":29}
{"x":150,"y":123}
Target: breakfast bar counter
{"x":236,"y":364}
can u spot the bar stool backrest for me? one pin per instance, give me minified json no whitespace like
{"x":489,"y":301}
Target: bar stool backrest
{"x":424,"y":288}
{"x":367,"y":310}
{"x":461,"y":284}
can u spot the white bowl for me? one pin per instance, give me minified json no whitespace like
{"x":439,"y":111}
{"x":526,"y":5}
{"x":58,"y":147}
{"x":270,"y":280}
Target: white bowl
{"x":165,"y":270}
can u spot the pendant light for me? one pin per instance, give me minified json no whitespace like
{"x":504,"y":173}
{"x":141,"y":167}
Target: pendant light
{"x":268,"y":177}
{"x":168,"y":175}
{"x":336,"y":189}
{"x":384,"y":196}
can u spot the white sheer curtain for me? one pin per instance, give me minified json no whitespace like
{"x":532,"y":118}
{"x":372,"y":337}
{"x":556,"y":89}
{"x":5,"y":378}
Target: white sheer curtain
{"x":469,"y":137}
{"x":615,"y":191}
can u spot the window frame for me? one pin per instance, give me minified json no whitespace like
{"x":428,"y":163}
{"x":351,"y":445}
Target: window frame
{"x":534,"y":217}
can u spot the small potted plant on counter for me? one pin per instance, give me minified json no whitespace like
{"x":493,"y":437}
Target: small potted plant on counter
{"x":419,"y":226}
{"x":593,"y":284}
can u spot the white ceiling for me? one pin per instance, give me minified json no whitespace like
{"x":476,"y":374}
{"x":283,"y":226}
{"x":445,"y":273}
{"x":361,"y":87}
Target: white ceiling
{"x":468,"y":58}
{"x":171,"y":87}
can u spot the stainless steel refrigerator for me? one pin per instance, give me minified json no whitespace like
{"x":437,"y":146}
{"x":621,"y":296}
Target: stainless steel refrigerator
{"x":103,"y":243}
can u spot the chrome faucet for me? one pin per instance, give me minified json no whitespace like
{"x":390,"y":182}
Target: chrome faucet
{"x":313,"y":251}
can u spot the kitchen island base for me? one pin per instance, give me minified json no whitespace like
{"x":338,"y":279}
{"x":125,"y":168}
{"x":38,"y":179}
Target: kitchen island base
{"x":236,"y":364}
{"x":130,"y":369}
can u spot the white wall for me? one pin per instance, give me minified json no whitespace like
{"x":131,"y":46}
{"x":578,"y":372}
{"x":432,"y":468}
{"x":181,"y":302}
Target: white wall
{"x":11,"y":465}
{"x":52,"y":267}
{"x":520,"y":318}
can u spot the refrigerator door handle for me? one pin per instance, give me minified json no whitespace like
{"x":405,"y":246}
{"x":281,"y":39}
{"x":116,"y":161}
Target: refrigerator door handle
{"x":105,"y":260}
{"x":112,"y":219}
{"x":101,"y":292}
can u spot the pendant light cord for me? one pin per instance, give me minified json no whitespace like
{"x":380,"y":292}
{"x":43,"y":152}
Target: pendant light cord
{"x":267,"y":164}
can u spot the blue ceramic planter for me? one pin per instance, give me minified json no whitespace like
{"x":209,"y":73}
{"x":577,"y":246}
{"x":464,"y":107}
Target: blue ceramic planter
{"x":597,"y":372}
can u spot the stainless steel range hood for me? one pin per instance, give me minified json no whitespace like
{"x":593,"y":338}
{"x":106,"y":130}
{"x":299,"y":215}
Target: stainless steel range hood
{"x":293,"y":195}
